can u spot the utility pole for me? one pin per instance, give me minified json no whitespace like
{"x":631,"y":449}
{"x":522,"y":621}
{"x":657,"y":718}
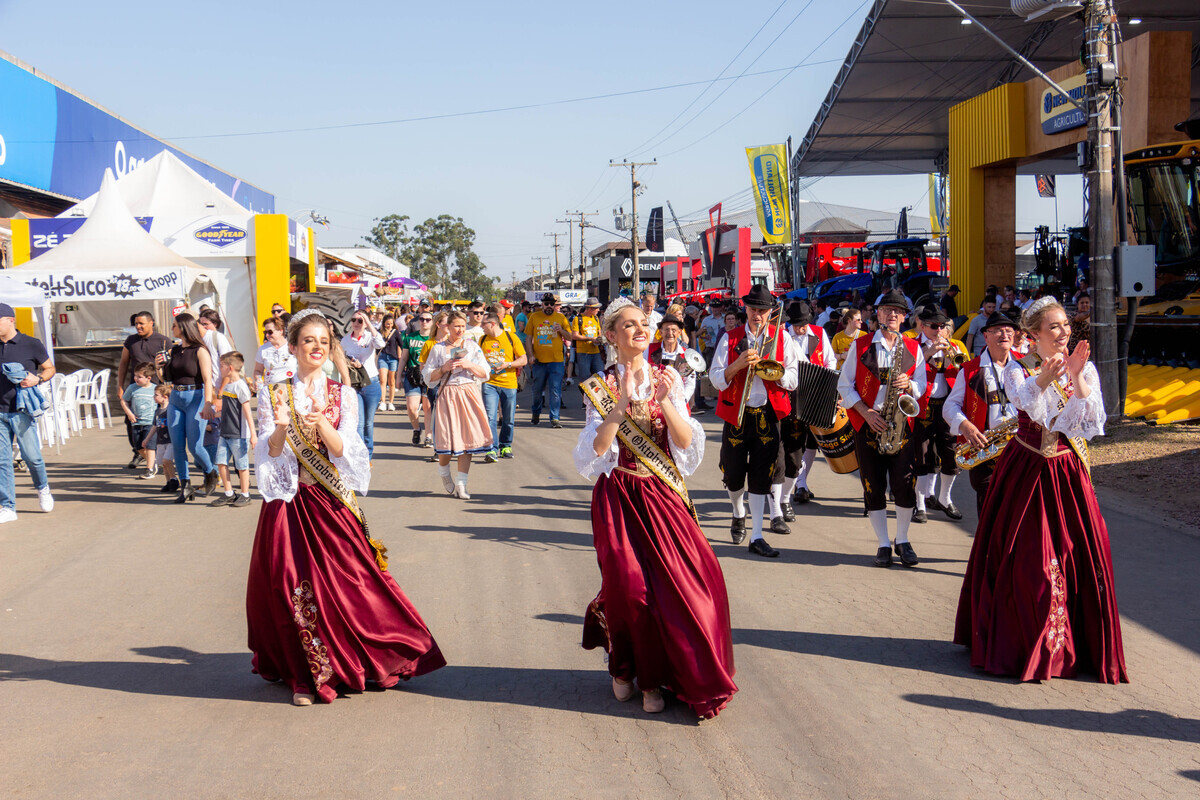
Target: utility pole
{"x":1101,"y":84}
{"x":583,"y":215}
{"x":556,"y":234}
{"x":540,"y":259}
{"x":633,"y":190}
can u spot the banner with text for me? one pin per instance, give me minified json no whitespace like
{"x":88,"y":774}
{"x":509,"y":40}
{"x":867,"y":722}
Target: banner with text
{"x":117,"y":284}
{"x":768,"y":168}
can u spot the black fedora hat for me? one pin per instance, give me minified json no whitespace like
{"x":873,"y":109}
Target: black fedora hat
{"x":798,"y":313}
{"x":893,"y":298}
{"x":932,"y":315}
{"x":759,"y":297}
{"x":999,"y":320}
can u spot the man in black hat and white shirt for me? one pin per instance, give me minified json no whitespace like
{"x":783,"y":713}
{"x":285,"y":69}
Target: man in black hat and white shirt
{"x":750,"y":452}
{"x":799,"y":444}
{"x":867,"y":365}
{"x":934,"y":442}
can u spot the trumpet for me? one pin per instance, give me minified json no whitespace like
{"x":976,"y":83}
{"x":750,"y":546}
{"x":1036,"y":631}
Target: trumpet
{"x":767,"y":368}
{"x":947,"y":355}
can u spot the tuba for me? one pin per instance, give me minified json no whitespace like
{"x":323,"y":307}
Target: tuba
{"x":897,"y":408}
{"x":767,"y":368}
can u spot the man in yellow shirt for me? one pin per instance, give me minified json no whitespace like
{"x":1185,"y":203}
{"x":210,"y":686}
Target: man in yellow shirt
{"x":506,"y":355}
{"x":589,"y":357}
{"x":544,"y":333}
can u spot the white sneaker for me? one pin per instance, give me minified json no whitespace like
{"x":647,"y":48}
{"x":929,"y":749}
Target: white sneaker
{"x":391,"y":407}
{"x":7,"y":515}
{"x":381,"y":407}
{"x":45,"y":499}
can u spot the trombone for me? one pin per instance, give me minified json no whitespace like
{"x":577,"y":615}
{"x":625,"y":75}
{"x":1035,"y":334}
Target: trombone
{"x":767,"y":368}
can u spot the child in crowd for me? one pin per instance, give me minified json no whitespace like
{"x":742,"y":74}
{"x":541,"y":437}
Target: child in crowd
{"x":137,"y":401}
{"x":163,"y":451}
{"x":237,"y":432}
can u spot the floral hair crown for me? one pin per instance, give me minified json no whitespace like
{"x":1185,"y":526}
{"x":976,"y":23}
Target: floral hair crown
{"x":1035,"y":308}
{"x":614,"y":308}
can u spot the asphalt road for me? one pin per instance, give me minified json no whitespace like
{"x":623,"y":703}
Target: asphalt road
{"x":124,"y":670}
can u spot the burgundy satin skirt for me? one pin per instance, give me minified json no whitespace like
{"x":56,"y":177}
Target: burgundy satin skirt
{"x":662,"y":612}
{"x":1038,"y":600}
{"x":320,"y":611}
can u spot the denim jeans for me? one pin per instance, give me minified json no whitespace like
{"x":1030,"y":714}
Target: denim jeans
{"x":368,"y":403}
{"x":501,"y":406}
{"x":587,"y":365}
{"x":183,"y":418}
{"x":547,"y":375}
{"x":21,"y":425}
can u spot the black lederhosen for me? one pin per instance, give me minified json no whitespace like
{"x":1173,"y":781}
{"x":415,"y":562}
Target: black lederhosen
{"x":934,"y":442}
{"x":794,"y":438}
{"x":877,"y":471}
{"x":750,"y":455}
{"x":981,"y":480}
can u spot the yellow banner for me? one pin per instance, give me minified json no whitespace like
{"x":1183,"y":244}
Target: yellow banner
{"x":769,"y":171}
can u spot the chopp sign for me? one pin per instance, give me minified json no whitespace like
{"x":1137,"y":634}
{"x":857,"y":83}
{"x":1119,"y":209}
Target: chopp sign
{"x":135,"y":284}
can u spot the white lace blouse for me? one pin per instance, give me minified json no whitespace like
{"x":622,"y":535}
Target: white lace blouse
{"x":592,"y":466}
{"x":278,"y":477}
{"x":439,"y":354}
{"x":1080,"y":416}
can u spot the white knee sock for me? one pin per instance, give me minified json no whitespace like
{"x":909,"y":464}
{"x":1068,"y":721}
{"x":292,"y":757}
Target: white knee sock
{"x":443,"y":471}
{"x":903,"y":520}
{"x":739,"y":506}
{"x":879,"y":525}
{"x":776,"y":499}
{"x":925,"y":488}
{"x":789,"y":486}
{"x":757,"y":503}
{"x":806,"y":466}
{"x":944,"y":489}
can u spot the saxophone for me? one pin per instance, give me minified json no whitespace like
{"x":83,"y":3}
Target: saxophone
{"x":968,"y":455}
{"x":897,"y":408}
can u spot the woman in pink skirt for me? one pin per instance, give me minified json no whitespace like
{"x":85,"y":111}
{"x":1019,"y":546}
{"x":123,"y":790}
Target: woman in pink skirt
{"x":456,"y":366}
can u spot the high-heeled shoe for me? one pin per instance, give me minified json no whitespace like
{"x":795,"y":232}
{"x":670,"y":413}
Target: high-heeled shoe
{"x":186,"y":492}
{"x":210,"y":483}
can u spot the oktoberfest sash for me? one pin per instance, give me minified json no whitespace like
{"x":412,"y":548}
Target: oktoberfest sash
{"x":640,"y":443}
{"x":322,"y":470}
{"x":1078,"y":443}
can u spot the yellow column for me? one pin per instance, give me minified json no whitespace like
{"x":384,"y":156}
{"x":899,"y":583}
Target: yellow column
{"x":272,"y":265}
{"x":312,"y":260}
{"x":19,"y":250}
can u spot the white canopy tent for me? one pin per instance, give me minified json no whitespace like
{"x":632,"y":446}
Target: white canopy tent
{"x":22,"y":295}
{"x":113,"y":260}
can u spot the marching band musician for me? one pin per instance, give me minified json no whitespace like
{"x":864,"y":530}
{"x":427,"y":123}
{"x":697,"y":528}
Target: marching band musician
{"x":934,"y":441}
{"x":796,"y":438}
{"x":750,"y":452}
{"x":863,"y":396}
{"x":978,"y":402}
{"x":670,"y":352}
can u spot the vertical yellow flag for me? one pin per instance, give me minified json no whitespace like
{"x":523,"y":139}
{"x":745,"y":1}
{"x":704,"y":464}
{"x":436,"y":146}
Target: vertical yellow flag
{"x":769,"y":172}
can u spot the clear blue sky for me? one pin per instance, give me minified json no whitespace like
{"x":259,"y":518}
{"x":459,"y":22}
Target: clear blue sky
{"x":183,"y":70}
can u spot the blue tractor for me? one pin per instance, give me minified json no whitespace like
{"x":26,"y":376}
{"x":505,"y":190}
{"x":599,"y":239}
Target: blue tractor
{"x":891,"y":264}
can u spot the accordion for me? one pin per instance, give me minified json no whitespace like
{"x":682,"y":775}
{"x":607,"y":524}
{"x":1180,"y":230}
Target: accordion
{"x":815,"y":400}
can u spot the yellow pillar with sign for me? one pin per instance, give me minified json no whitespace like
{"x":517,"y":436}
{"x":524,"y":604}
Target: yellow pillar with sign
{"x":312,"y":264}
{"x":272,"y":264}
{"x":19,"y":250}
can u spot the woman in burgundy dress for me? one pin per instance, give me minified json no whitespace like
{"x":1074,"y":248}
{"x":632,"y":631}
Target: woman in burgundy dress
{"x":321,"y":608}
{"x":662,"y":613}
{"x":1038,"y":599}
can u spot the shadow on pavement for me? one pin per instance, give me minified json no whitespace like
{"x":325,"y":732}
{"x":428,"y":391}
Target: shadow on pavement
{"x":820,"y":558}
{"x":1193,"y":774}
{"x":180,"y":673}
{"x":524,"y":538}
{"x":938,"y":656}
{"x":569,"y":619}
{"x":1129,"y":722}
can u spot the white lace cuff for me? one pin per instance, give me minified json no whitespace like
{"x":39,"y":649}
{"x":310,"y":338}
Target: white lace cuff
{"x":1083,"y":416}
{"x":276,"y":477}
{"x":1027,"y":395}
{"x":687,"y":459}
{"x":587,"y":463}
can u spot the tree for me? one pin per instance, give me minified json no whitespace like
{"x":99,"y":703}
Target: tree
{"x":390,"y":236}
{"x":439,"y":252}
{"x":471,"y":278}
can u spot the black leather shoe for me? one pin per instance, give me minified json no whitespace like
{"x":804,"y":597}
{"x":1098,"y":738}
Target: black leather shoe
{"x":920,"y":516}
{"x":789,"y":514}
{"x":170,"y":486}
{"x":866,"y":511}
{"x":186,"y":492}
{"x":535,"y":419}
{"x":932,"y":503}
{"x":779,"y":526}
{"x":952,"y":510}
{"x":760,"y":548}
{"x":802,"y":496}
{"x":883,"y":557}
{"x":908,"y":556}
{"x":737,"y":530}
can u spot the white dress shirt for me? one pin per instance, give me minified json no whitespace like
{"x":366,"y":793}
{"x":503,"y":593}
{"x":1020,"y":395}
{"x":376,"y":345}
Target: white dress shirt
{"x":993,"y":379}
{"x":758,"y":391}
{"x":883,"y":357}
{"x":801,"y":337}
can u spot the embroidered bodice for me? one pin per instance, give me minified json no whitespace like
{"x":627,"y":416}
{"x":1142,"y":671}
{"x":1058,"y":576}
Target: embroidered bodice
{"x":645,"y":411}
{"x":278,"y":477}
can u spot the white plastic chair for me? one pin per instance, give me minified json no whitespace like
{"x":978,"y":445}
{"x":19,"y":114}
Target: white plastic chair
{"x":94,"y":395}
{"x":66,"y":400}
{"x":47,"y":432}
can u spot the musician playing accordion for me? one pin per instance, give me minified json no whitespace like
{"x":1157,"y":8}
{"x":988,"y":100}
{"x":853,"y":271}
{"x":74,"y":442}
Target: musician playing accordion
{"x":934,"y":441}
{"x":796,"y":437}
{"x":750,"y":453}
{"x":978,"y":402}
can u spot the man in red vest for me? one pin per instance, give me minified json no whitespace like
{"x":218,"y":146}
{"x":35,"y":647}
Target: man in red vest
{"x":750,"y":453}
{"x":799,"y":444}
{"x":978,"y":401}
{"x":934,"y":441}
{"x":863,"y":396}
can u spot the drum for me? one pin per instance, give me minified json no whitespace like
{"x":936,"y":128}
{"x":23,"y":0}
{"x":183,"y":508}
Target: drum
{"x":837,"y":443}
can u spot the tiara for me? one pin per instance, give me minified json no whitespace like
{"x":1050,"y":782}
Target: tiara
{"x":299,"y":317}
{"x":614,"y":308}
{"x":1036,"y":306}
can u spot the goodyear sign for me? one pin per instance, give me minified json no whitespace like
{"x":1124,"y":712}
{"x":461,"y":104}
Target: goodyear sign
{"x":219,"y":234}
{"x":768,"y":168}
{"x":1056,"y":111}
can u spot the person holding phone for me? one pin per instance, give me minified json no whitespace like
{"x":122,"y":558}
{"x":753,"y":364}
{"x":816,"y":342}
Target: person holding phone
{"x":360,"y":346}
